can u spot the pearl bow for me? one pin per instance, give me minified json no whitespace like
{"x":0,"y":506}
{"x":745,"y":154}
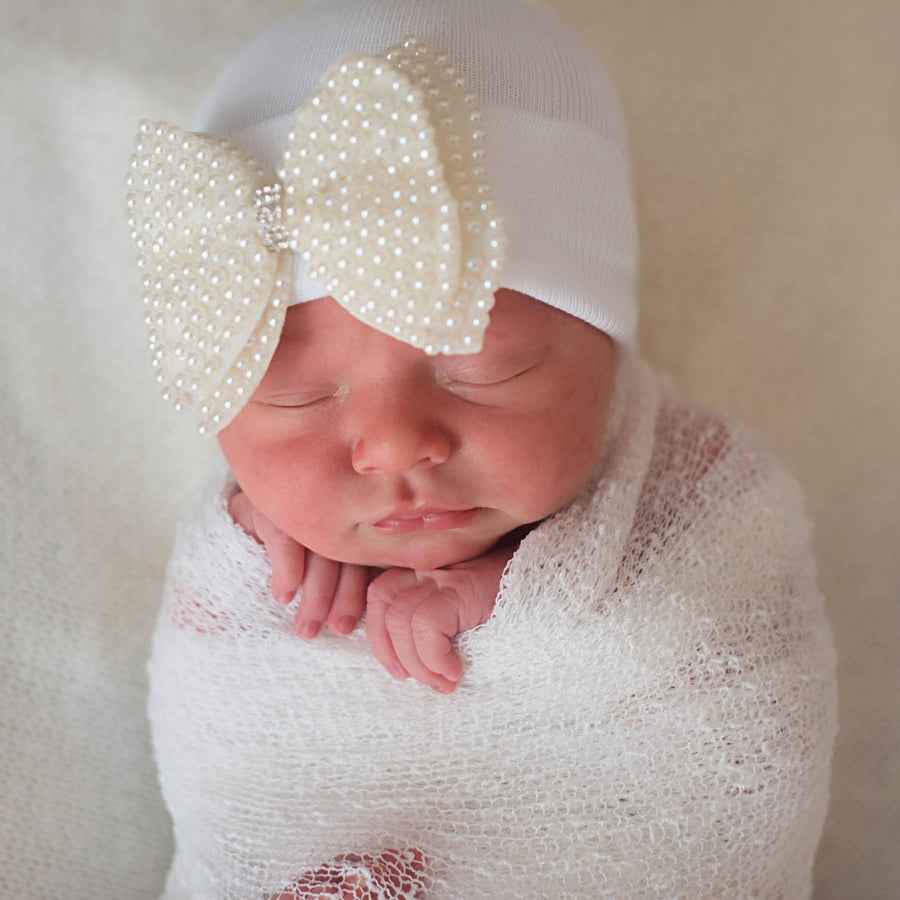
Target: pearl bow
{"x":381,"y":191}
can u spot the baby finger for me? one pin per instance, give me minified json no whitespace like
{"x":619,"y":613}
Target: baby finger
{"x":319,"y":586}
{"x":408,"y":627}
{"x":349,"y":601}
{"x":377,"y":603}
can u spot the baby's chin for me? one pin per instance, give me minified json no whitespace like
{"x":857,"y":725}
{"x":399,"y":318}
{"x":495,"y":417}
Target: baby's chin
{"x":424,"y":552}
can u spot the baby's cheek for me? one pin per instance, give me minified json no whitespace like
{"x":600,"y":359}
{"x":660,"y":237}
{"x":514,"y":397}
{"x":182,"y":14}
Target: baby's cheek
{"x":310,"y":522}
{"x":543,"y":469}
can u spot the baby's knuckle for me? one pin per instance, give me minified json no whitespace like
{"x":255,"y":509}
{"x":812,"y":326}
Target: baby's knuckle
{"x":376,"y":596}
{"x":395,"y":616}
{"x":422,"y":623}
{"x":321,"y":597}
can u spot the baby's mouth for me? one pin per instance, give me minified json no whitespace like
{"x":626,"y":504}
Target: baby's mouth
{"x":404,"y":521}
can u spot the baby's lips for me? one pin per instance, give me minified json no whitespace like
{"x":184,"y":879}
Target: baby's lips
{"x":431,"y":519}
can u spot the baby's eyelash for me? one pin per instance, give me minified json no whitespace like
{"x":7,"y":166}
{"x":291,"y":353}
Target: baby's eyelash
{"x":470,"y":379}
{"x":302,"y":399}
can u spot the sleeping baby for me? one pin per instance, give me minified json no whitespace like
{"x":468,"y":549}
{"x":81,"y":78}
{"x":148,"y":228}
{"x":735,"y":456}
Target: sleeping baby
{"x":393,"y":270}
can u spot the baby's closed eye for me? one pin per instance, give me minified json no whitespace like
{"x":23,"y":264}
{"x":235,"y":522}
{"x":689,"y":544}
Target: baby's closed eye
{"x":469,"y":371}
{"x":298,"y":397}
{"x":479,"y":378}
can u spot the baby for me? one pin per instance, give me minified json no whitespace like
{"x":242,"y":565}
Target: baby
{"x":394,"y":271}
{"x":369,"y":452}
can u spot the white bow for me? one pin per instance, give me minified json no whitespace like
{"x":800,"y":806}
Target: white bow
{"x":382,"y":192}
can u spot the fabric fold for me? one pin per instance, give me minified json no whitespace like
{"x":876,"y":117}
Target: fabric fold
{"x":649,"y":711}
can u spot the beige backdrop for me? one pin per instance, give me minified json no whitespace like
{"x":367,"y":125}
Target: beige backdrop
{"x":766,"y":138}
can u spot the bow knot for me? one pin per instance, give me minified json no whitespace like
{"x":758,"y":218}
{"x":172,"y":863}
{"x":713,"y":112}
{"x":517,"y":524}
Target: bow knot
{"x":268,"y":210}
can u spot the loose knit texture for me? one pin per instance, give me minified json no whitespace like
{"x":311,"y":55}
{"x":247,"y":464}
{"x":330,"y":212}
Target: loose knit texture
{"x":648,"y":713}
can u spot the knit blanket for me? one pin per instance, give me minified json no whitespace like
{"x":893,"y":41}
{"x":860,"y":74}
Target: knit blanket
{"x":649,"y":712}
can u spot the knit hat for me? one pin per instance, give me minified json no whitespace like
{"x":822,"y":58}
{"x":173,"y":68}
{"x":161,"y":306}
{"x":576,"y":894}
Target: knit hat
{"x":554,"y":215}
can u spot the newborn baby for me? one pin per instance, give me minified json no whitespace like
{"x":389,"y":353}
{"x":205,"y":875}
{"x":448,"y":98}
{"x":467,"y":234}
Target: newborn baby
{"x":395,"y":275}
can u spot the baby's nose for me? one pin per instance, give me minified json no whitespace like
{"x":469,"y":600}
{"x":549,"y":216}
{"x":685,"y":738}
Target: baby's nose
{"x":396,"y":432}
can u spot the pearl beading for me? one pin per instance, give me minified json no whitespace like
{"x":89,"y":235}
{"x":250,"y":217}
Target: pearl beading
{"x":388,"y":200}
{"x":382,"y":191}
{"x":215,"y":296}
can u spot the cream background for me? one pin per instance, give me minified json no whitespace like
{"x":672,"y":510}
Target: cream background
{"x":766,"y":138}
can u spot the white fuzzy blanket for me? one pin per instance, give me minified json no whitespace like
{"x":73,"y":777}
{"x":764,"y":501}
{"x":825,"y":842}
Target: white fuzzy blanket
{"x":649,"y":712}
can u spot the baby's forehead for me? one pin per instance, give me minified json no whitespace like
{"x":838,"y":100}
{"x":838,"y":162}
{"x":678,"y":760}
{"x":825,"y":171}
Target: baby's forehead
{"x":519,"y":324}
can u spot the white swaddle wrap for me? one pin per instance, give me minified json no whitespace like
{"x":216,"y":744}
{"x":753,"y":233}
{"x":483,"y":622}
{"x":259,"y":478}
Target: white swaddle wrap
{"x":648,"y":713}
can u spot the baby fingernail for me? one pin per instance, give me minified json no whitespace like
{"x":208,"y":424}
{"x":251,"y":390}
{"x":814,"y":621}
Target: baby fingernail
{"x":310,"y":629}
{"x":287,"y":597}
{"x":346,"y":624}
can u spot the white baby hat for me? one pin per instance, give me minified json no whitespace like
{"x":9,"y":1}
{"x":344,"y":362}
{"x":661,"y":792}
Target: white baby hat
{"x":543,"y":149}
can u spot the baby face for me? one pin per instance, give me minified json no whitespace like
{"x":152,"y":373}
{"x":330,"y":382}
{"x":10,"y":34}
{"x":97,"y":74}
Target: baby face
{"x":369,"y":451}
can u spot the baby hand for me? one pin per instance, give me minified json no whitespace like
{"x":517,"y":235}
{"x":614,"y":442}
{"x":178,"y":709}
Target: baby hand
{"x":413,"y":616}
{"x":333,"y":592}
{"x":391,"y":875}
